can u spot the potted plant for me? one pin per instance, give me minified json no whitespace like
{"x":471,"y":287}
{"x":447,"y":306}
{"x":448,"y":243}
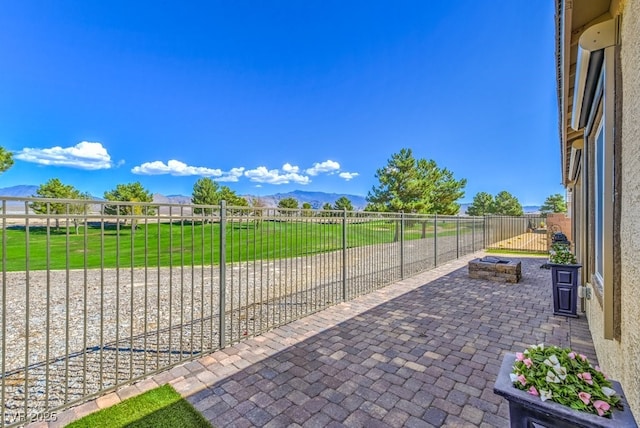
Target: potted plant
{"x":552,"y":386}
{"x":564,"y":279}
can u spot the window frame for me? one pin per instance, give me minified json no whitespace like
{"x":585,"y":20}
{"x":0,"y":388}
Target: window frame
{"x":600,"y":272}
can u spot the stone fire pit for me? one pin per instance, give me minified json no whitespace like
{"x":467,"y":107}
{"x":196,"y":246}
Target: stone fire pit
{"x":495,"y":269}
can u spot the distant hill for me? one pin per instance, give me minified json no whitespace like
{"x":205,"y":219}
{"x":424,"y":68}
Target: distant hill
{"x":531,"y":209}
{"x":21,"y":191}
{"x":171,"y":199}
{"x":315,"y":199}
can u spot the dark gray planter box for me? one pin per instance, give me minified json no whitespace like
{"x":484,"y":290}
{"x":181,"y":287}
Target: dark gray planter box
{"x":564,"y":279}
{"x":526,"y":410}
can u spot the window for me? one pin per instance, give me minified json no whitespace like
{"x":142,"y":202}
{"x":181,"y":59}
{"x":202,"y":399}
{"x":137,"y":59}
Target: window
{"x":601,"y":131}
{"x":594,"y":107}
{"x":599,"y":199}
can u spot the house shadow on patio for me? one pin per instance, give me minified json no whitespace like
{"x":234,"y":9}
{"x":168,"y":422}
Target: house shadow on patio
{"x":421,"y":352}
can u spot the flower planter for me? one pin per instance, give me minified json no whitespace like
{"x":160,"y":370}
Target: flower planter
{"x":526,"y":410}
{"x":564,"y":280}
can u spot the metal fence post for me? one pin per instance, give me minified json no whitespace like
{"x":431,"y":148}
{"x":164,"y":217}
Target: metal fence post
{"x":401,"y":244}
{"x":473,"y":234}
{"x":223,"y":275}
{"x":457,"y":237}
{"x":435,"y":240}
{"x":484,"y":232}
{"x":344,"y":255}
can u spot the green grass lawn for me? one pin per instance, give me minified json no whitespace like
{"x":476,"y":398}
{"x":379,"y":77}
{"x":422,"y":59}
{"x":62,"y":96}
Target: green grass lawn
{"x":162,"y":407}
{"x":183,"y":244}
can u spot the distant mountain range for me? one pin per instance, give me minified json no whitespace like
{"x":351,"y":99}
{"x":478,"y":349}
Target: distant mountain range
{"x":316,"y":199}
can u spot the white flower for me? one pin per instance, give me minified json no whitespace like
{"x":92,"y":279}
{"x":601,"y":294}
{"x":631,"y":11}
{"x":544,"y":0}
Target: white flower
{"x":513,"y":377}
{"x":552,"y":361}
{"x":545,"y":395}
{"x":551,"y":377}
{"x":560,"y":371}
{"x":608,"y":391}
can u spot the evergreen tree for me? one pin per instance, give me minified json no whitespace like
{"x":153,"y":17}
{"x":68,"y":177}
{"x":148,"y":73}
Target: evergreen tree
{"x":446,"y":189}
{"x":205,"y":192}
{"x":343,"y":203}
{"x":232,"y":198}
{"x":326,"y":210}
{"x":287,"y":204}
{"x":554,"y":204}
{"x":482,"y":205}
{"x":507,"y":204}
{"x":6,"y":159}
{"x":306,"y":209}
{"x":418,"y":186}
{"x":131,"y":192}
{"x":55,"y":189}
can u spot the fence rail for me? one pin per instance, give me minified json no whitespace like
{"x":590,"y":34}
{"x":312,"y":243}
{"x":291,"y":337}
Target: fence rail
{"x":98,"y":294}
{"x":519,"y":234}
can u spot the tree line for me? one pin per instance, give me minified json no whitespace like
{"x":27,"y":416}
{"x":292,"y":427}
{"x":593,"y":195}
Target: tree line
{"x":206,"y":194}
{"x":405,"y":183}
{"x":504,"y":203}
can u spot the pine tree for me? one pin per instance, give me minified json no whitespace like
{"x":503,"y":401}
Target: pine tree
{"x":416,"y":186}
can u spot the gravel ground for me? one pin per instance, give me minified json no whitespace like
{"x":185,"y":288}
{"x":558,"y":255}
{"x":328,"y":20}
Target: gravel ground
{"x":68,"y":334}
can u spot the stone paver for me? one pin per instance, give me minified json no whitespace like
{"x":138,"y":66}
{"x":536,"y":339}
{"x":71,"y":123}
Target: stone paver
{"x":421,"y":352}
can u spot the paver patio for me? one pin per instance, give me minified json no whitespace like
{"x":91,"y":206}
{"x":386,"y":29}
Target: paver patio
{"x":422,"y":352}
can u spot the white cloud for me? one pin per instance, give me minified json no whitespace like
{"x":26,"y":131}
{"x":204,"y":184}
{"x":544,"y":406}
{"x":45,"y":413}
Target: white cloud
{"x":348,"y":175}
{"x":287,"y":167}
{"x":288,"y":173}
{"x":327,"y":166}
{"x":181,"y":169}
{"x":174,"y":167}
{"x":231,"y":176}
{"x":273,"y":176}
{"x":84,"y":155}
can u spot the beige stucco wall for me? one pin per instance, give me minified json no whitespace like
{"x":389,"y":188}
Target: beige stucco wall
{"x":630,"y":230}
{"x":621,"y":359}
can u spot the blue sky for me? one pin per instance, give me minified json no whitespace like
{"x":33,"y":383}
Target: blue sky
{"x":268,"y":97}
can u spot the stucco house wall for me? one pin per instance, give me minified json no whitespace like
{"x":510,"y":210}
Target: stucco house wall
{"x":630,"y":204}
{"x":613,"y":310}
{"x":621,"y":358}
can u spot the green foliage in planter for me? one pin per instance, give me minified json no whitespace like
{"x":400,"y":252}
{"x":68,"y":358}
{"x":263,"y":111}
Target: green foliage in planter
{"x":566,"y":377}
{"x":561,"y":254}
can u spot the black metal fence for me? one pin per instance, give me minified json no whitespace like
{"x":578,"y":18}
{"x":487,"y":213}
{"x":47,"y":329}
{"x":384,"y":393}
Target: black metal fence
{"x":98,"y":294}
